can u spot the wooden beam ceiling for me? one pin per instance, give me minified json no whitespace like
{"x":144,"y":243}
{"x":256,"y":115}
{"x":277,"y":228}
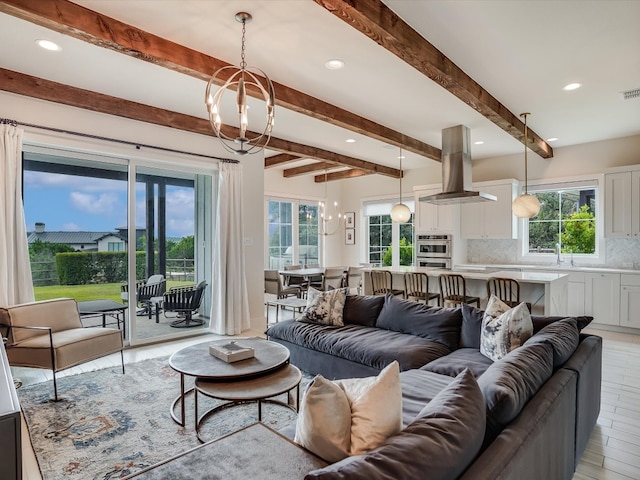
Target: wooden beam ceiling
{"x":280,"y":159}
{"x":79,"y":22}
{"x":353,"y":173}
{"x":306,"y":169}
{"x":377,"y":21}
{"x":22,"y":84}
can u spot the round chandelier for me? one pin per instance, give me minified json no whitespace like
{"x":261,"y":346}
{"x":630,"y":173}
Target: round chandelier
{"x":239,"y":79}
{"x":525,"y":205}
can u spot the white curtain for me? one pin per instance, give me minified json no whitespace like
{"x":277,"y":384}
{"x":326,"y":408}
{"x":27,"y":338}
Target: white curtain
{"x":15,"y":269}
{"x":230,"y":302}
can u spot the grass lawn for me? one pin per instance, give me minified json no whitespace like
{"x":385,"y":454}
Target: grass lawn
{"x":110,"y":291}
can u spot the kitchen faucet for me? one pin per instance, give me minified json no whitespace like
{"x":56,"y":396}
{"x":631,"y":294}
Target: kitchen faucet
{"x":558,"y":261}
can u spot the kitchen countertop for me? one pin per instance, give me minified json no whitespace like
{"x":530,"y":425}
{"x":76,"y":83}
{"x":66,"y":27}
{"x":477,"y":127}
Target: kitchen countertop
{"x":526,"y":277}
{"x":553,"y":268}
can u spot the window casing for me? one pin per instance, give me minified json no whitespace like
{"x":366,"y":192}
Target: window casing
{"x":569,"y":217}
{"x":388,"y":243}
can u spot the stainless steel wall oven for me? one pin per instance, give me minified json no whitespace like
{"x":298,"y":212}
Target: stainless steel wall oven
{"x":433,"y":251}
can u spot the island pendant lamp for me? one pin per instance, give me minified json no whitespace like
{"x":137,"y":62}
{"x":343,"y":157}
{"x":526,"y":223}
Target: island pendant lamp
{"x":400,"y":213}
{"x":330,"y":218}
{"x":525,"y":205}
{"x":240,"y":79}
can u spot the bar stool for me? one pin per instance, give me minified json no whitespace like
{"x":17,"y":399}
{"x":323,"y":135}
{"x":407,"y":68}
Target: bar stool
{"x":416,"y":285}
{"x":506,"y":289}
{"x":381,"y":283}
{"x":453,"y":289}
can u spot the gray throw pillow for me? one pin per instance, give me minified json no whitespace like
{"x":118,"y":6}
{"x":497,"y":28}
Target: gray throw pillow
{"x":439,"y":444}
{"x":471,"y":326}
{"x":541,"y":321}
{"x":508,"y":384}
{"x":440,"y":325}
{"x":563,"y":336}
{"x":362,"y":309}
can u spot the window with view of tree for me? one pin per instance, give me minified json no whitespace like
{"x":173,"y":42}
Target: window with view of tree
{"x":281,"y":225}
{"x":567,"y":217}
{"x":384,"y":236}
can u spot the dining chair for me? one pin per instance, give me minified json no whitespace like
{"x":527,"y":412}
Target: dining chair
{"x":382,"y":283}
{"x":294,"y":281}
{"x":354,"y":279}
{"x":453,"y":290}
{"x":416,"y":286}
{"x":333,"y":278}
{"x":316,"y":280}
{"x":506,"y":289}
{"x":273,"y":285}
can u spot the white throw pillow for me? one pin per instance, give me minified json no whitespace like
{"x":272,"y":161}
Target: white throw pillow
{"x":324,"y":420}
{"x":325,"y":308}
{"x":503,"y":328}
{"x":373,"y":413}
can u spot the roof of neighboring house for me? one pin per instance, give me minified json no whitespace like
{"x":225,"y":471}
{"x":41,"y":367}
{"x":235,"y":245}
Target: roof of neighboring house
{"x":70,"y":237}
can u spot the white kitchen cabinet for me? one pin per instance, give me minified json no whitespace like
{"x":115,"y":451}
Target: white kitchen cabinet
{"x":622,"y":204}
{"x":602,"y":297}
{"x":490,"y":220}
{"x":630,"y":301}
{"x":429,"y":217}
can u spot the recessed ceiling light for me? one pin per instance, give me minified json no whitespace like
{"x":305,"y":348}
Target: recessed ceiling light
{"x":48,"y":45}
{"x":350,"y":140}
{"x":571,"y":86}
{"x":401,"y":157}
{"x":552,"y":139}
{"x":334,"y":64}
{"x":479,"y":142}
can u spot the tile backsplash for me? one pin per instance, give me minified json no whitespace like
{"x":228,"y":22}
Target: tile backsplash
{"x":620,"y":252}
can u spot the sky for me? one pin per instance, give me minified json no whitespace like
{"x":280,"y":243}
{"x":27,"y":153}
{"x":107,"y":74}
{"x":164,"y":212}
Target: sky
{"x":74,"y":203}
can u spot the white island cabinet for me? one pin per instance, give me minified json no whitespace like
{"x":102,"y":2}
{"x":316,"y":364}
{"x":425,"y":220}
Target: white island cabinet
{"x":547,"y":292}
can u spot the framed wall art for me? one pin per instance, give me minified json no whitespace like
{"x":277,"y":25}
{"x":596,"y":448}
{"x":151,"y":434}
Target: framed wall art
{"x":350,"y":236}
{"x":350,"y":219}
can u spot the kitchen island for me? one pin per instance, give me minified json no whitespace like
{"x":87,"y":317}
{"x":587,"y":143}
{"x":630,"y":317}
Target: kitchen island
{"x":547,"y":292}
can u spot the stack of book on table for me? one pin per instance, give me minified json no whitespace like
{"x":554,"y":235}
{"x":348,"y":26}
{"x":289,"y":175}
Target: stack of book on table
{"x":231,"y":351}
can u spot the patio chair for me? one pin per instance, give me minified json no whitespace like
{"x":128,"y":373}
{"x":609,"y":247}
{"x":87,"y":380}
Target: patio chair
{"x":146,"y":291}
{"x":49,"y":334}
{"x":185,"y":301}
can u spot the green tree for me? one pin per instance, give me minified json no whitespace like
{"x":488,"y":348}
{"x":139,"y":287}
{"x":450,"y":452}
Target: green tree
{"x":406,"y":254}
{"x":579,"y":235}
{"x":182,"y":249}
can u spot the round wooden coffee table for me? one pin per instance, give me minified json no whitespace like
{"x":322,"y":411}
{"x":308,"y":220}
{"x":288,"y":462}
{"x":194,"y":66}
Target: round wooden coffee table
{"x":196,"y":361}
{"x":248,"y":390}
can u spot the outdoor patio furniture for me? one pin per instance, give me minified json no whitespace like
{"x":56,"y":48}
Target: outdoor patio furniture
{"x":154,"y":286}
{"x":49,"y":334}
{"x":185,"y":301}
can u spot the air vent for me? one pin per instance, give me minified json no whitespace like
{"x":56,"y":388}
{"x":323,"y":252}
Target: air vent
{"x":629,"y":94}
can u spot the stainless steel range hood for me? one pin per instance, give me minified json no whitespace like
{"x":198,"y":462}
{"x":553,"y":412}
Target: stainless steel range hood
{"x":456,"y":170}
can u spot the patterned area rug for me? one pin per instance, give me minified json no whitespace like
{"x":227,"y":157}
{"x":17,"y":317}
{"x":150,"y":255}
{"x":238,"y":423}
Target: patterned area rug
{"x":108,"y":425}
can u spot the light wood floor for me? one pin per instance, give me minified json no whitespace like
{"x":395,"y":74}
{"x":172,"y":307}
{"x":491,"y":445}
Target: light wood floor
{"x":613,"y":452}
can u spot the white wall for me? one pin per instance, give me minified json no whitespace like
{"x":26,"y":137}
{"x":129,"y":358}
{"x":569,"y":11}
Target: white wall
{"x":39,"y":112}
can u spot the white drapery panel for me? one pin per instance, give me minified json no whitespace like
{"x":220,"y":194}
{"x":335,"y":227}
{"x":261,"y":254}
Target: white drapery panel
{"x":230,"y":302}
{"x":15,"y":269}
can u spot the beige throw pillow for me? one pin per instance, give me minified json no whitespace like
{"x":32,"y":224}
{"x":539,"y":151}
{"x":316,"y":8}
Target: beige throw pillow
{"x":325,"y":308}
{"x":350,"y":417}
{"x":503,"y":328}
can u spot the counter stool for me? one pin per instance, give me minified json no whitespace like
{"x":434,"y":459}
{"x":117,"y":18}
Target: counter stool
{"x":416,"y":285}
{"x":506,"y":289}
{"x":381,"y":283}
{"x":453,"y":289}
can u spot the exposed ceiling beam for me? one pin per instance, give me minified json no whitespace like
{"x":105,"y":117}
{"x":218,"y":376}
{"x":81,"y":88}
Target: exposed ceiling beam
{"x":79,"y":22}
{"x":353,"y":173}
{"x":377,"y":21}
{"x":27,"y":85}
{"x":305,"y":169}
{"x":280,"y":159}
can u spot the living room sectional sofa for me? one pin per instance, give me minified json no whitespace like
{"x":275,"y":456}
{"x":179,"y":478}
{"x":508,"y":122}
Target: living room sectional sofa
{"x":527,"y":416}
{"x":542,"y":400}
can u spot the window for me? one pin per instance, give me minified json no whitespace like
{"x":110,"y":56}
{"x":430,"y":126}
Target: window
{"x":389,"y":243}
{"x":115,"y":247}
{"x":567,"y":218}
{"x":284,"y":247}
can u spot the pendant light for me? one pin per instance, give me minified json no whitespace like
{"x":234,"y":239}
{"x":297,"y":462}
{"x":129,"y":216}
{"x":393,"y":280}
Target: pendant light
{"x":525,"y":205}
{"x":400,"y":213}
{"x":239,"y":80}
